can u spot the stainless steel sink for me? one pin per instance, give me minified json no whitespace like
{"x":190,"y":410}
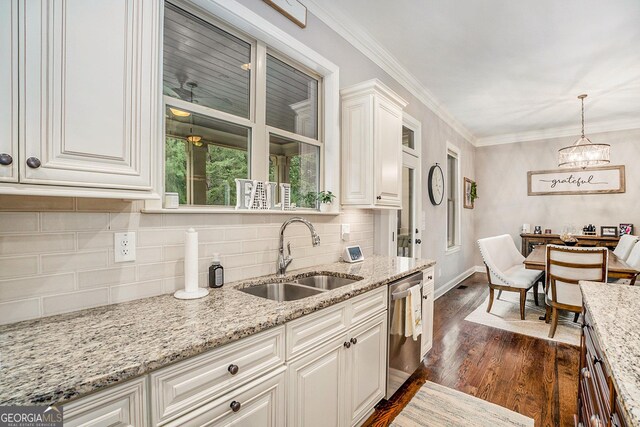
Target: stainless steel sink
{"x":281,"y":291}
{"x":325,"y":281}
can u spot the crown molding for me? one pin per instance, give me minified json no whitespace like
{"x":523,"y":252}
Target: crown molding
{"x":372,"y":49}
{"x":560,"y":132}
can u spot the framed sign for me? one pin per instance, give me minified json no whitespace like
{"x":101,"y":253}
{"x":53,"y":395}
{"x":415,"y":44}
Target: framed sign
{"x":600,"y":180}
{"x":292,"y":9}
{"x":468,"y":200}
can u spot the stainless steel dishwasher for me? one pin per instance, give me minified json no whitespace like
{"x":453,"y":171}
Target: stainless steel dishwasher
{"x":403,"y":356}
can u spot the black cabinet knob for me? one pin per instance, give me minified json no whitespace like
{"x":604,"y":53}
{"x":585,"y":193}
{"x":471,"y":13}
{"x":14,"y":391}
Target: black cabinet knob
{"x":347,"y":344}
{"x":235,"y":406}
{"x":5,"y":159}
{"x":429,"y":277}
{"x":233,"y":369}
{"x":418,"y":241}
{"x":379,"y":197}
{"x":426,"y":296}
{"x":354,"y":341}
{"x":33,"y":162}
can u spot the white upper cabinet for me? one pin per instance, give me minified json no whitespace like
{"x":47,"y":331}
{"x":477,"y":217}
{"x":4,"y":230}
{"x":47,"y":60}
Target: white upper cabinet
{"x":89,"y":92}
{"x":371,"y":146}
{"x":8,"y":90}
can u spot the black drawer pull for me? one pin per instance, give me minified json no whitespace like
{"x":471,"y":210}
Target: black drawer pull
{"x":354,"y":341}
{"x":33,"y":162}
{"x":235,"y":406}
{"x":347,"y":344}
{"x":233,"y":369}
{"x":5,"y":159}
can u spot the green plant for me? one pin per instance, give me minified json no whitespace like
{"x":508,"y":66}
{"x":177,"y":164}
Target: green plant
{"x":326,"y":196}
{"x":474,"y":191}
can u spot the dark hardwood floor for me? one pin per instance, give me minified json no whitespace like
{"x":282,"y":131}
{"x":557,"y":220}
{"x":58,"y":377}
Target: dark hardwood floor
{"x":537,"y":378}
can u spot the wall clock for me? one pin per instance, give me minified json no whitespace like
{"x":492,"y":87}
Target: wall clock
{"x":436,"y":184}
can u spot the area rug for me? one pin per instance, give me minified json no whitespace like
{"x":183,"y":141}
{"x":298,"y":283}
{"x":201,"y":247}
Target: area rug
{"x":438,"y":406}
{"x":505,"y":314}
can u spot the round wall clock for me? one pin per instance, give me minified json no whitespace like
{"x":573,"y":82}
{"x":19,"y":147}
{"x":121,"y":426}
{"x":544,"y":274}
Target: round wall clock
{"x":436,"y":184}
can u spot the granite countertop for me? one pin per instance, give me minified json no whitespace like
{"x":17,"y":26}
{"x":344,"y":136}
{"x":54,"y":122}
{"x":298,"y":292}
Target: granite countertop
{"x":615,"y":318}
{"x":58,"y":358}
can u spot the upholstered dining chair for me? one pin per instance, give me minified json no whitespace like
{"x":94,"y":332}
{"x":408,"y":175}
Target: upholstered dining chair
{"x":506,"y":271}
{"x":624,"y":246}
{"x":632,"y":261}
{"x":565,"y":267}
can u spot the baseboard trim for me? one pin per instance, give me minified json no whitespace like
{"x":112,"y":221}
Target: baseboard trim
{"x":480,"y":269}
{"x":454,"y":282}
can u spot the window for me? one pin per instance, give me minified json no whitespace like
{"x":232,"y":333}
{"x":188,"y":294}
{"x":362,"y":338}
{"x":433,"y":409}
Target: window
{"x":453,"y":198}
{"x":219,"y":127}
{"x":408,"y":137}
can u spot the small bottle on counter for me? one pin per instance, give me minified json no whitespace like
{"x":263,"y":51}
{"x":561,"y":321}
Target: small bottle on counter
{"x":216,"y":272}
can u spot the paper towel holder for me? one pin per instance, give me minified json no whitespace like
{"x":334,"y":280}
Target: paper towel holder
{"x":199,"y":293}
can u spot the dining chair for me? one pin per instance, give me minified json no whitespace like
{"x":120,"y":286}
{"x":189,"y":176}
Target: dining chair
{"x":506,"y":271}
{"x":624,"y":246}
{"x":632,"y":261}
{"x":565,"y":267}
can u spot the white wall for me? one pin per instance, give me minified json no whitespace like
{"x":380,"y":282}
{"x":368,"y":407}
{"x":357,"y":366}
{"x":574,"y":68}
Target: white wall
{"x":504,"y":205}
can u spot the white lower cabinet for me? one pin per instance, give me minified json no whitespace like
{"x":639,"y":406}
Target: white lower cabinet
{"x":118,"y":406}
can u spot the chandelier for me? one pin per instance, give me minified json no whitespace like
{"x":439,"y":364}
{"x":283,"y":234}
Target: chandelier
{"x":583,"y":152}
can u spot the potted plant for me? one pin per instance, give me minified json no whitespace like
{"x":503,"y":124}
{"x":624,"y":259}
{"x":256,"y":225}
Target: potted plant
{"x":474,"y":191}
{"x":325,"y":198}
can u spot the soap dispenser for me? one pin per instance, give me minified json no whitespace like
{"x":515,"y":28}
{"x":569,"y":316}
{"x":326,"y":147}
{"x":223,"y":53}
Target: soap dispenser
{"x":216,"y":272}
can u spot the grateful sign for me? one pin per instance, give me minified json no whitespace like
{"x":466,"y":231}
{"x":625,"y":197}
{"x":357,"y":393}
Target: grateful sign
{"x":596,"y":180}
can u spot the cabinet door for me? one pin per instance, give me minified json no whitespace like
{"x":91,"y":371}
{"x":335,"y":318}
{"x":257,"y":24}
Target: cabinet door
{"x":9,"y":91}
{"x":316,"y":389}
{"x":258,"y":404}
{"x":357,"y":151}
{"x":388,"y":154}
{"x":89,"y":92}
{"x":427,"y":318}
{"x":367,"y":367}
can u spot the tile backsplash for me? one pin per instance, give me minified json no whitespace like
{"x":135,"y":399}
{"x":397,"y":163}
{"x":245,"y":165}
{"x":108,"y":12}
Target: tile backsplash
{"x":57,"y":254}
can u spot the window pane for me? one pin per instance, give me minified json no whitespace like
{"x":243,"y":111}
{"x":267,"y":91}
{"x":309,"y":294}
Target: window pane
{"x":408,"y":137}
{"x":204,"y":156}
{"x":204,"y":64}
{"x":452,"y":202}
{"x":292,"y":99}
{"x":298,"y":164}
{"x":405,"y":215}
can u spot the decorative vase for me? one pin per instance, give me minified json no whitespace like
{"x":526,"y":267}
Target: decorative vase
{"x":325,"y":207}
{"x":570,"y":243}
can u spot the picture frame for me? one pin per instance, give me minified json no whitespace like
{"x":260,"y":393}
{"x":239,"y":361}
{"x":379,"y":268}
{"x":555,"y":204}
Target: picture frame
{"x":609,"y":231}
{"x":292,"y":9}
{"x":468,"y":201}
{"x":625,"y":229}
{"x":571,"y":181}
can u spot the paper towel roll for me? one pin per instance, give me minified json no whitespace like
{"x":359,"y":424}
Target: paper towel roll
{"x":191,"y":261}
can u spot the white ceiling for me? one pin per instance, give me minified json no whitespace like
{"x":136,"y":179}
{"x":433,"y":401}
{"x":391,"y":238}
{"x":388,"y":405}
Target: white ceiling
{"x":510,"y":70}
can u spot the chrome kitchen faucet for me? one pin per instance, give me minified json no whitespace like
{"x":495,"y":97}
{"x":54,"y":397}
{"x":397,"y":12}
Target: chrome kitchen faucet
{"x":284,"y":261}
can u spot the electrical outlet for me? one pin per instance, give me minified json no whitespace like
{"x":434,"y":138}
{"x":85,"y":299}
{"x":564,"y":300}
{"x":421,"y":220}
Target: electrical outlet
{"x":125,"y":246}
{"x":345,"y":232}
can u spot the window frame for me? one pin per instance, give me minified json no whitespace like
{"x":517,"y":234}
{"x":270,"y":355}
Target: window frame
{"x":285,"y":49}
{"x":454,"y":152}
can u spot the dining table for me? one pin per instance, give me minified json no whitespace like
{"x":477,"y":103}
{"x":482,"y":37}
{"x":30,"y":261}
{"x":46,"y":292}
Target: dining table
{"x":617,"y":268}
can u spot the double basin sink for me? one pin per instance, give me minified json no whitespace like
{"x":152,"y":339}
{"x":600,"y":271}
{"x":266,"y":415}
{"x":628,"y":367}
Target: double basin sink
{"x":299,"y":288}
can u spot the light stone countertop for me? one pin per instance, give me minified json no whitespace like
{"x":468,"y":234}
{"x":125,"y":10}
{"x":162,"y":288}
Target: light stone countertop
{"x":58,"y":358}
{"x":615,"y":315}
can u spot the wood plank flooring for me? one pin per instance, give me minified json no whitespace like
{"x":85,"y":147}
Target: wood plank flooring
{"x":537,"y":378}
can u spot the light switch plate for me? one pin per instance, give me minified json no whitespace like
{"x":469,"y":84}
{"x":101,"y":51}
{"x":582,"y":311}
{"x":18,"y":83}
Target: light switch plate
{"x":125,"y":246}
{"x":345,"y":232}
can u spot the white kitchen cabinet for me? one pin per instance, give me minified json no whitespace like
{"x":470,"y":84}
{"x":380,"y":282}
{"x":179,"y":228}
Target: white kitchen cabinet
{"x":89,"y":92}
{"x":9,"y":90}
{"x":427,"y":312}
{"x":258,"y":404}
{"x":121,"y":405}
{"x":366,"y":367}
{"x":371,"y":146}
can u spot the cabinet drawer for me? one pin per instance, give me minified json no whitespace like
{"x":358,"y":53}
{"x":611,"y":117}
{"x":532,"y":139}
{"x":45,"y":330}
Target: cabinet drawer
{"x":429,"y":276}
{"x":259,"y":403}
{"x":122,"y":405}
{"x":309,"y":331}
{"x":186,"y":385}
{"x":368,"y":305}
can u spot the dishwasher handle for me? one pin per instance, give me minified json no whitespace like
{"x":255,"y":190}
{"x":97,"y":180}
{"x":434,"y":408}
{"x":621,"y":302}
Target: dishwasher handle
{"x":404,"y":293}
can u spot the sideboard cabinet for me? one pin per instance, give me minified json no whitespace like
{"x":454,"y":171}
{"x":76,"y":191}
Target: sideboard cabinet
{"x":530,"y":241}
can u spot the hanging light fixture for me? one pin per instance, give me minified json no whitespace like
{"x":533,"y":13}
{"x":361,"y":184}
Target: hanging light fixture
{"x":583,"y":152}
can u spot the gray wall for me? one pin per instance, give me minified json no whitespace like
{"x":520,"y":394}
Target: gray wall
{"x":355,"y":68}
{"x":504,"y":206}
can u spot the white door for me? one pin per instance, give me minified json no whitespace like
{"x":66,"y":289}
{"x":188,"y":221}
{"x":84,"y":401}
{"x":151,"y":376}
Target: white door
{"x":316,"y":387}
{"x":367,"y":367}
{"x":9,"y":90}
{"x":427,"y":317}
{"x":387,"y":153}
{"x":409,"y":241}
{"x":89,"y":92}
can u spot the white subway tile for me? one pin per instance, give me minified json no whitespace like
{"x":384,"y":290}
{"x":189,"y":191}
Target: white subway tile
{"x":18,"y":222}
{"x":74,"y":261}
{"x":107,"y":276}
{"x":15,"y":311}
{"x":230,"y":261}
{"x":148,"y":254}
{"x":64,"y":303}
{"x":226,"y":248}
{"x":135,"y":291}
{"x":74,"y":221}
{"x":95,"y":240}
{"x":260,"y":245}
{"x":16,"y":244}
{"x":35,"y":286}
{"x":172,"y":284}
{"x":18,"y":266}
{"x":174,"y":253}
{"x":238,"y":234}
{"x":133,"y":221}
{"x":149,"y":238}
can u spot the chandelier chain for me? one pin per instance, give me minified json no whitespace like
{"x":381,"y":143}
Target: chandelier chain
{"x":582,"y":100}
